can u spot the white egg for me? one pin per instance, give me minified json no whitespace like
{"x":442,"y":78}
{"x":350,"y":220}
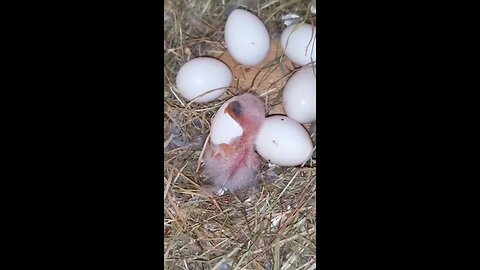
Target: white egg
{"x":224,"y":129}
{"x":283,"y":141}
{"x":246,"y":38}
{"x":202,"y":74}
{"x":299,"y":95}
{"x":299,"y":42}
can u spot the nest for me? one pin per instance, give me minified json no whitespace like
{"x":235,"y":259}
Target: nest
{"x":271,"y":226}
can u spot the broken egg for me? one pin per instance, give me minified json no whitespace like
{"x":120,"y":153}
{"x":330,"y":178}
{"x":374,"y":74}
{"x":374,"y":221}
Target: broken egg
{"x":283,"y":141}
{"x":201,"y":75}
{"x":224,"y":129}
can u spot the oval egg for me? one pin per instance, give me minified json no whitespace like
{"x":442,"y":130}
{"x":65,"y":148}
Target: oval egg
{"x":283,"y":141}
{"x":299,"y":95}
{"x":246,"y":38}
{"x":200,"y":75}
{"x":299,"y":43}
{"x":224,"y":129}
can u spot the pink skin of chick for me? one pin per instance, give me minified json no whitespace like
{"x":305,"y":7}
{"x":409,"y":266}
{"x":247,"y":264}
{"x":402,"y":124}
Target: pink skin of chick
{"x":235,"y":166}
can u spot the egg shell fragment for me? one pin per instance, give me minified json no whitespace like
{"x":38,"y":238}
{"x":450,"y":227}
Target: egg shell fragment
{"x":299,"y":42}
{"x":201,"y":75}
{"x":299,"y":95}
{"x":283,"y":141}
{"x":246,"y":38}
{"x":224,"y":129}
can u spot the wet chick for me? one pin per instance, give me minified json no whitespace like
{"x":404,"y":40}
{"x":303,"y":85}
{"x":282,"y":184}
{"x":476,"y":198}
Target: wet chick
{"x":235,"y":166}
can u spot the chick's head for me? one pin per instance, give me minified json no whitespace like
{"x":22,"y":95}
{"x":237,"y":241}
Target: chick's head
{"x":248,"y":111}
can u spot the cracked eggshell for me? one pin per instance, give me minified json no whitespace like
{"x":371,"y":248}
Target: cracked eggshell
{"x":201,"y":75}
{"x":283,"y":141}
{"x":224,"y":129}
{"x":299,"y":42}
{"x":246,"y":37}
{"x":299,"y":95}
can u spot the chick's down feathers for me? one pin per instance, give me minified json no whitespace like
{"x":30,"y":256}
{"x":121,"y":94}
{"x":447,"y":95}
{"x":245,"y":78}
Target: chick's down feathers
{"x":235,"y":166}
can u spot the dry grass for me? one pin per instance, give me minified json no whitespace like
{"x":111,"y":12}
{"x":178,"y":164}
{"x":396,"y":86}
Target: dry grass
{"x":269,"y":227}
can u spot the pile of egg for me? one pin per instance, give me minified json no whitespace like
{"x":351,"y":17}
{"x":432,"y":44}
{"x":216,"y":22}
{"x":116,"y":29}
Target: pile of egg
{"x":282,"y":140}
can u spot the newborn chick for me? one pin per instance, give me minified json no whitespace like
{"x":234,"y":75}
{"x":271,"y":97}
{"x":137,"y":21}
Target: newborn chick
{"x":235,"y":166}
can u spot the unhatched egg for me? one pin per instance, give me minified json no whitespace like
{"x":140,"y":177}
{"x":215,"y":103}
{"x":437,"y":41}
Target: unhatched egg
{"x":299,"y":43}
{"x":202,"y":74}
{"x":283,"y":141}
{"x":246,"y":38}
{"x":299,"y":95}
{"x":224,"y":129}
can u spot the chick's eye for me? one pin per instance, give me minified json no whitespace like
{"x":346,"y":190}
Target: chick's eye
{"x":236,"y":107}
